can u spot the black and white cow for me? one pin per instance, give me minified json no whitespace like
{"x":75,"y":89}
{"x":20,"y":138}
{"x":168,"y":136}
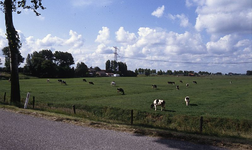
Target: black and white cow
{"x":120,"y":90}
{"x":187,"y":100}
{"x":158,"y":102}
{"x":187,"y":84}
{"x":84,"y":80}
{"x":91,"y":83}
{"x":64,"y":82}
{"x":195,"y":82}
{"x":177,"y":87}
{"x":113,"y":83}
{"x":169,"y":82}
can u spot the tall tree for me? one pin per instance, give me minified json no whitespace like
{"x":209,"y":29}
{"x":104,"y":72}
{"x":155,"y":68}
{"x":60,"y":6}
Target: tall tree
{"x":9,"y":6}
{"x":6,"y":53}
{"x":108,"y":65}
{"x":81,"y":70}
{"x":64,"y":60}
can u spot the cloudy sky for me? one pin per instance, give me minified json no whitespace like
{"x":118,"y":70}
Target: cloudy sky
{"x":192,"y":35}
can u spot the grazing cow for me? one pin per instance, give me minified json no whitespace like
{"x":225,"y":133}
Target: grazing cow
{"x":91,"y":83}
{"x":195,"y":82}
{"x":60,"y":81}
{"x":120,"y":90}
{"x":48,"y":80}
{"x":187,"y":84}
{"x":113,"y":83}
{"x":171,"y":82}
{"x":187,"y":100}
{"x":64,"y":82}
{"x":177,"y":87}
{"x":181,"y":81}
{"x":84,"y":80}
{"x":154,"y":86}
{"x":158,"y":102}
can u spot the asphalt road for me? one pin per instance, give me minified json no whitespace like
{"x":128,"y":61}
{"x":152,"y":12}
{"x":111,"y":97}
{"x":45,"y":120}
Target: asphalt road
{"x":24,"y":132}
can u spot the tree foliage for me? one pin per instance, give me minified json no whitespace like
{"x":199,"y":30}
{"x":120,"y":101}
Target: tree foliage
{"x":116,"y":67}
{"x":47,"y":64}
{"x":81,"y":70}
{"x":6,"y":53}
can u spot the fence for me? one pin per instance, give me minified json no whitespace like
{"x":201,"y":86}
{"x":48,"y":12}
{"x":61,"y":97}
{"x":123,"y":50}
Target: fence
{"x":192,"y":124}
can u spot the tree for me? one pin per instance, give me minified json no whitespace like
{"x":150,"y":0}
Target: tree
{"x":81,"y":70}
{"x":64,"y":60}
{"x":169,"y":72}
{"x":147,"y":72}
{"x":122,"y":68}
{"x":6,"y":52}
{"x":108,"y":68}
{"x":136,"y":71}
{"x":249,"y":72}
{"x":10,"y":6}
{"x":160,"y":72}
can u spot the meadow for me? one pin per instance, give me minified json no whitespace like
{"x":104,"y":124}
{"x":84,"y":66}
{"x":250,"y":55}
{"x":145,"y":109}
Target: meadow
{"x":211,"y":97}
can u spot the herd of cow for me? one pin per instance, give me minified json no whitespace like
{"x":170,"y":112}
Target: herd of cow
{"x":156,"y":102}
{"x":159,"y":102}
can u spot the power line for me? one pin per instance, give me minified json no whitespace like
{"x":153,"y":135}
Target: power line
{"x":187,"y":62}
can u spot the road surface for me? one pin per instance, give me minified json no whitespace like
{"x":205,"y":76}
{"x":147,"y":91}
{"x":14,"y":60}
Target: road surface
{"x":24,"y":132}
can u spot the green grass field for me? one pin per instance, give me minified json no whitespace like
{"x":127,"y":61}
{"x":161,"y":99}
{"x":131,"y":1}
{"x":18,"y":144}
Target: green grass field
{"x":213,"y":96}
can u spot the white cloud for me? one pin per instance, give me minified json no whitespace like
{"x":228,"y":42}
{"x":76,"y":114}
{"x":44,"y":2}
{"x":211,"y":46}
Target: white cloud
{"x":123,"y":36}
{"x":75,"y":40}
{"x":238,"y":50}
{"x":103,"y":35}
{"x":158,"y":12}
{"x":223,"y":46}
{"x":184,"y":21}
{"x":165,"y":45}
{"x":224,"y":17}
{"x":103,"y":49}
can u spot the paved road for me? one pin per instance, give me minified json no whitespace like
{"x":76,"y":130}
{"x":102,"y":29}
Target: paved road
{"x":24,"y":132}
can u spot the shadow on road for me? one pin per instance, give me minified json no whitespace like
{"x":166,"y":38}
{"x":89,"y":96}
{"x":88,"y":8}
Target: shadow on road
{"x":185,"y":145}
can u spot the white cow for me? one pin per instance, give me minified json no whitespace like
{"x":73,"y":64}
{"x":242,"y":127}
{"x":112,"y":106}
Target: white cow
{"x":187,"y":100}
{"x":158,"y":102}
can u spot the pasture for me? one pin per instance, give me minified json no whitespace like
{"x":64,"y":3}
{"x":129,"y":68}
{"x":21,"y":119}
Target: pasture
{"x":211,"y":97}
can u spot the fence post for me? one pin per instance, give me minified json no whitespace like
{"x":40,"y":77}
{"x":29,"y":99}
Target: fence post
{"x":74,"y":109}
{"x":201,"y":124}
{"x":33,"y":102}
{"x":4,"y":96}
{"x":131,"y":120}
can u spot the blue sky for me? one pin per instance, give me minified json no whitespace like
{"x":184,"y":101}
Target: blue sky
{"x":192,"y":35}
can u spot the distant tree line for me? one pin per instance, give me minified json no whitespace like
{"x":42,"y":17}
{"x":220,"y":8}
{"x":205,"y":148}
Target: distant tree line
{"x":148,"y":72}
{"x":47,"y":64}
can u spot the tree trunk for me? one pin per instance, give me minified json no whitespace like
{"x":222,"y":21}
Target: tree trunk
{"x":14,"y":45}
